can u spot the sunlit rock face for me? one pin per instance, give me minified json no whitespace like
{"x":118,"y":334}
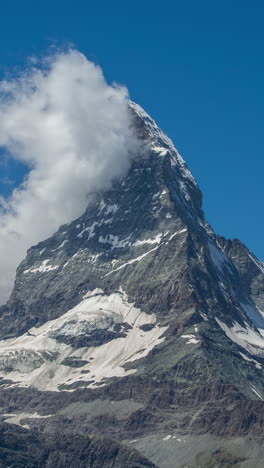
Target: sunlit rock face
{"x":138,"y":326}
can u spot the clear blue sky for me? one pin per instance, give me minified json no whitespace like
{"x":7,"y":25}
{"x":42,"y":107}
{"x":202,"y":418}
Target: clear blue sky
{"x":196,"y":67}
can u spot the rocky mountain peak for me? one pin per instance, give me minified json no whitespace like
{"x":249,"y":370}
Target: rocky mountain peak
{"x":139,"y":315}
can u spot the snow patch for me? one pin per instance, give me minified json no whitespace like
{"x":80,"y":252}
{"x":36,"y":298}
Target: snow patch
{"x":43,"y":268}
{"x":257,"y":393}
{"x":111,"y":209}
{"x":204,"y":316}
{"x":17,"y":418}
{"x":246,"y":337}
{"x":155,"y":240}
{"x":184,"y":190}
{"x":176,"y":233}
{"x":191,"y":339}
{"x":224,"y":291}
{"x":114,"y":241}
{"x":61,"y":245}
{"x":90,"y":230}
{"x":246,"y":358}
{"x":160,"y":149}
{"x":259,"y":264}
{"x":130,"y":262}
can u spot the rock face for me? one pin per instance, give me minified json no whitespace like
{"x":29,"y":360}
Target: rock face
{"x":136,"y":332}
{"x":19,"y":447}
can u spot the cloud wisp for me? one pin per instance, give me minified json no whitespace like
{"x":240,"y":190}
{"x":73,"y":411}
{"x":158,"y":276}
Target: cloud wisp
{"x":73,"y":131}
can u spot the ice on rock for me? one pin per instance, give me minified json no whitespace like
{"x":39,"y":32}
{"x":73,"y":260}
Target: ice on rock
{"x":220,"y":260}
{"x":255,"y":315}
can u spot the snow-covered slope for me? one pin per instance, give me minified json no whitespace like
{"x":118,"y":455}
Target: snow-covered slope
{"x":82,"y":348}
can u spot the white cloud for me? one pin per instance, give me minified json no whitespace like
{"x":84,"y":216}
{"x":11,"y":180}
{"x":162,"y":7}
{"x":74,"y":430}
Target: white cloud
{"x":73,"y":130}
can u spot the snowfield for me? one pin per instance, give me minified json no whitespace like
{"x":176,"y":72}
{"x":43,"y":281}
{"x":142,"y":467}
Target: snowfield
{"x":36,"y":358}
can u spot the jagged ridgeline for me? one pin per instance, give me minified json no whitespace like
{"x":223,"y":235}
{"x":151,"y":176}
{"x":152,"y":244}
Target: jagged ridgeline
{"x":134,"y":336}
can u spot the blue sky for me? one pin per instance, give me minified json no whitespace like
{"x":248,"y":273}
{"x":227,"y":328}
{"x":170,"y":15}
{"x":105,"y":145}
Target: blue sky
{"x":196,"y":67}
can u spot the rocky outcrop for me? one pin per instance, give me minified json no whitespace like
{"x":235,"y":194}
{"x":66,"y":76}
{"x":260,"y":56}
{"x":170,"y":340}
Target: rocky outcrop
{"x":21,"y":448}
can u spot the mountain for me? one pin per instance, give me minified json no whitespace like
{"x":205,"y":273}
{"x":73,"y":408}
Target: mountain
{"x":134,"y":336}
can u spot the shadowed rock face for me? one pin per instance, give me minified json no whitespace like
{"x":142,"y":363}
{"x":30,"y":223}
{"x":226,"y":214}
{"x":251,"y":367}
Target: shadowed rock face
{"x":136,"y":332}
{"x":19,"y":447}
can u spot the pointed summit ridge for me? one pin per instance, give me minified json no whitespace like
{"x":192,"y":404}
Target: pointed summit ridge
{"x":158,"y":140}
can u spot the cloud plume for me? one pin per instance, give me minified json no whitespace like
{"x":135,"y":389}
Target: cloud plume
{"x":73,"y":131}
